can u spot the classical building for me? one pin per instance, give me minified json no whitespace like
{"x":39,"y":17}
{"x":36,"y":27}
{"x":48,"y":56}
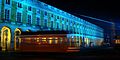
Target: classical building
{"x":33,"y":15}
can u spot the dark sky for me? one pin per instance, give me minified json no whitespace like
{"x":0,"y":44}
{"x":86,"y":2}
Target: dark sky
{"x":103,"y":9}
{"x":108,"y":10}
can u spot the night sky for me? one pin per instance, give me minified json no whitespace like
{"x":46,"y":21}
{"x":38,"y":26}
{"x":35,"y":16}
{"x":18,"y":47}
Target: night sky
{"x":108,"y":10}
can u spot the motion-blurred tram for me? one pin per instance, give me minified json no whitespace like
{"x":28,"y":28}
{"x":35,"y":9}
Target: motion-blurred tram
{"x":45,"y":42}
{"x":116,"y":42}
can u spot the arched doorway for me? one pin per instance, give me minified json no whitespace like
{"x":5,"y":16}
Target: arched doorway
{"x":17,"y":39}
{"x":5,"y":38}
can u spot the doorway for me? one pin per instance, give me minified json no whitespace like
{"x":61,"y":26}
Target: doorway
{"x":5,"y":38}
{"x":17,"y":39}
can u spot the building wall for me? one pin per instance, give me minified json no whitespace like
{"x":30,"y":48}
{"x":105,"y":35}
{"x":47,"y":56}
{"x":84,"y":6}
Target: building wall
{"x":46,"y":17}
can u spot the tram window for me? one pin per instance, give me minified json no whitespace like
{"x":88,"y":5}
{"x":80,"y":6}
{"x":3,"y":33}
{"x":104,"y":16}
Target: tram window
{"x":28,"y":40}
{"x":56,"y":40}
{"x":61,"y":40}
{"x":53,"y":40}
{"x":37,"y":40}
{"x":50,"y":40}
{"x":33,"y":40}
{"x":44,"y":40}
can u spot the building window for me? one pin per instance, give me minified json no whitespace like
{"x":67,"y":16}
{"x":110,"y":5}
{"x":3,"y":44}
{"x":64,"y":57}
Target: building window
{"x":29,"y":8}
{"x":67,"y":27}
{"x":38,"y":11}
{"x":57,"y":17}
{"x":57,"y":25}
{"x":19,"y":17}
{"x":8,"y":2}
{"x":38,"y":21}
{"x":45,"y":22}
{"x":45,"y":13}
{"x":7,"y":15}
{"x":29,"y":19}
{"x":51,"y":24}
{"x":19,"y":5}
{"x":67,"y":20}
{"x":62,"y":18}
{"x":51,"y":15}
{"x":70,"y":28}
{"x":62,"y":26}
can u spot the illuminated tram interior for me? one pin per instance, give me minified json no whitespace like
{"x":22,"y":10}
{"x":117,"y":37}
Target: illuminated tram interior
{"x":46,"y":43}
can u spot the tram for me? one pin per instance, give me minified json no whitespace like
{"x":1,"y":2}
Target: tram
{"x":116,"y":42}
{"x":44,"y":42}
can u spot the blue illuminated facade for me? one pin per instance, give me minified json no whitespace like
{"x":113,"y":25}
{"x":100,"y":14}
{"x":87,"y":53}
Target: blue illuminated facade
{"x":34,"y":15}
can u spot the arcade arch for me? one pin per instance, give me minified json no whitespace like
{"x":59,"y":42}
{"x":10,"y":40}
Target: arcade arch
{"x":5,"y":38}
{"x":17,"y":39}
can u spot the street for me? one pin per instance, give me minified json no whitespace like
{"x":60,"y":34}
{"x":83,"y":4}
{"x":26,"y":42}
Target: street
{"x":85,"y":53}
